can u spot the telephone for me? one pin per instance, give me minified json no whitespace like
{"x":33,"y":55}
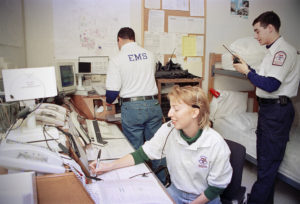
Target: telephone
{"x":51,"y":114}
{"x":21,"y":156}
{"x":54,"y":107}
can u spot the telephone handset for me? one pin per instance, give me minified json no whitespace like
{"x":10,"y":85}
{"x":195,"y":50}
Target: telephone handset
{"x":54,"y":107}
{"x":21,"y":156}
{"x":50,"y":117}
{"x":51,"y":114}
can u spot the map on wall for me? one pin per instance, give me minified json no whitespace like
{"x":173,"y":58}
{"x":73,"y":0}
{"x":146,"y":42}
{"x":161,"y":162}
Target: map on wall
{"x":88,"y":27}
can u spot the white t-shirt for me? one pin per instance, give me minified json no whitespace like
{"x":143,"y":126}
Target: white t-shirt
{"x":192,"y":167}
{"x":132,"y":72}
{"x":280,"y":63}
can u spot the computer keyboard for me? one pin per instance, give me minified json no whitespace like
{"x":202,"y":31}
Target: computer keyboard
{"x":94,"y":132}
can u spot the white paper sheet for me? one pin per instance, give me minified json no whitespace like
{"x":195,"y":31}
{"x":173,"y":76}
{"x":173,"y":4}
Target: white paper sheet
{"x":197,"y":7}
{"x":128,"y":191}
{"x":152,"y":4}
{"x":179,"y":24}
{"x":181,"y":5}
{"x":156,"y":21}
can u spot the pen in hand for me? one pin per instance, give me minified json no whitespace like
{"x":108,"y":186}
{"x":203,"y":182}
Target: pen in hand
{"x":98,"y":158}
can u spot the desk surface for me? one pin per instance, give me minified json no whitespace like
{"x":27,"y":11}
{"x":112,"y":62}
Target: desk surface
{"x":126,"y":185}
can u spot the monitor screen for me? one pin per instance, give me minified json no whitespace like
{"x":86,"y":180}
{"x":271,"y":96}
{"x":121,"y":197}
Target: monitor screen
{"x":65,"y":76}
{"x":84,"y":67}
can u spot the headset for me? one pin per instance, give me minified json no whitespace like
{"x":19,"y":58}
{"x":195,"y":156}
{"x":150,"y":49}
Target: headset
{"x":169,"y":125}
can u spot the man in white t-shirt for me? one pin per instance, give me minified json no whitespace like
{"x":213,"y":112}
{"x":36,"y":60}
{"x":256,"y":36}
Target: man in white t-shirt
{"x":131,"y":75}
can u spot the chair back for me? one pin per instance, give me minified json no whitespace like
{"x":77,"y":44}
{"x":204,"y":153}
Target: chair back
{"x":234,"y":190}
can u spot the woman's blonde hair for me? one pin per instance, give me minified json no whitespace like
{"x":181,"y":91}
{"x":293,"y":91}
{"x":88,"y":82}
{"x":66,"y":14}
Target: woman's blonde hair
{"x":193,"y":96}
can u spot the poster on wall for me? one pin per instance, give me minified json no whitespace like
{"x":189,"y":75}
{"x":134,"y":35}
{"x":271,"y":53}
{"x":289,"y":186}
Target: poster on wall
{"x":88,"y":27}
{"x":240,"y":8}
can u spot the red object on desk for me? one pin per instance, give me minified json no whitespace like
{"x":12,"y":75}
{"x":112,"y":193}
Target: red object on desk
{"x":214,"y":92}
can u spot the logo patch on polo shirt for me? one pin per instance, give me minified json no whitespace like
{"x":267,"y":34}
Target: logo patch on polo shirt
{"x":203,"y":162}
{"x":279,"y":58}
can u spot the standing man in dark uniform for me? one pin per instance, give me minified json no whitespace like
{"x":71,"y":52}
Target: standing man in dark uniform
{"x":276,"y":81}
{"x":131,"y":74}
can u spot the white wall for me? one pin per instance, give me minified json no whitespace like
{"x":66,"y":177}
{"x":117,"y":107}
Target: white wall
{"x":12,"y":46}
{"x":39,"y":30}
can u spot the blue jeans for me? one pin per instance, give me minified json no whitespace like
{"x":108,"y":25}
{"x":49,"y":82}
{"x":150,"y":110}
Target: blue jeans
{"x":181,"y":197}
{"x":140,"y":121}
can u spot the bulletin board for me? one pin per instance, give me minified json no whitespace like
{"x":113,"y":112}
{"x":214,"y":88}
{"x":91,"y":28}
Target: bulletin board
{"x":176,"y":29}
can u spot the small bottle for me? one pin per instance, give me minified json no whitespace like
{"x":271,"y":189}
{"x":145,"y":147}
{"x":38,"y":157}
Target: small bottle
{"x":214,"y":92}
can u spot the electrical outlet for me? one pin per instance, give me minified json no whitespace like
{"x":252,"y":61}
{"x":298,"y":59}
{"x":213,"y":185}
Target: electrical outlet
{"x":96,"y":77}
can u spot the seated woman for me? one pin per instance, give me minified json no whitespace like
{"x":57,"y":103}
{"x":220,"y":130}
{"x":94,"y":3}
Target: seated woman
{"x":197,"y":156}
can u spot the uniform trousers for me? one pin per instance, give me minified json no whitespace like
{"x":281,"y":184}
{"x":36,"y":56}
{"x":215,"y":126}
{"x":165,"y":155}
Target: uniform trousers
{"x":274,"y":124}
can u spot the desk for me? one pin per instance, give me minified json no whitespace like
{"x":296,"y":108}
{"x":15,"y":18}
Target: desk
{"x":66,"y":188}
{"x":177,"y":80}
{"x":85,"y":106}
{"x":117,"y":184}
{"x":61,"y":188}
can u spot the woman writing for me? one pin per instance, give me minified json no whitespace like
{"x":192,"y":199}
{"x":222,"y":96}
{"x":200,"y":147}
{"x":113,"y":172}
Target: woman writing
{"x":197,"y":156}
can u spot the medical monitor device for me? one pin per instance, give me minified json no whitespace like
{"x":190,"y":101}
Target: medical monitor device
{"x":65,"y":77}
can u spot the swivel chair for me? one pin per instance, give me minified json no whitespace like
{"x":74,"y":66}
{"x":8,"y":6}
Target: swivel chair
{"x":235,"y":193}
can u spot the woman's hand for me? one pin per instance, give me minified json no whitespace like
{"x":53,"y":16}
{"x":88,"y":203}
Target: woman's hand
{"x":102,"y":167}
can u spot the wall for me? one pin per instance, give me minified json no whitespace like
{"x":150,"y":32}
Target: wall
{"x":39,"y":30}
{"x":12,"y":45}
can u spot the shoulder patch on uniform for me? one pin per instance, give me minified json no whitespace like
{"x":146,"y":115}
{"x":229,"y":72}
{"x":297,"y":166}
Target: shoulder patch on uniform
{"x":279,"y":58}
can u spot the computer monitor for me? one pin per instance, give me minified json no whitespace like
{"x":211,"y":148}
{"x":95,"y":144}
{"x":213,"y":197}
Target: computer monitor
{"x":65,"y":77}
{"x":29,"y":83}
{"x":84,"y":67}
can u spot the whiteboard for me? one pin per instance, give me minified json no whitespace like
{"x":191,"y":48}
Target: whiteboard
{"x":88,"y":27}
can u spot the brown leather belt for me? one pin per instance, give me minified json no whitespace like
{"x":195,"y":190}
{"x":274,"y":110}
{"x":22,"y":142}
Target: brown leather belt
{"x":138,"y":98}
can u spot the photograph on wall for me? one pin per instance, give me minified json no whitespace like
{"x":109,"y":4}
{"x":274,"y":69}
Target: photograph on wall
{"x":240,"y":8}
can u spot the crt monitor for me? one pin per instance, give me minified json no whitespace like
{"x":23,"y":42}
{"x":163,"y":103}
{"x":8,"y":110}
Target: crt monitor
{"x":84,"y":67}
{"x":29,"y":83}
{"x":65,"y":76}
